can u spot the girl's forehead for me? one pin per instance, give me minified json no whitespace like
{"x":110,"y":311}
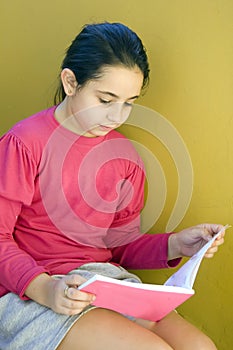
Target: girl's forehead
{"x":119,"y":79}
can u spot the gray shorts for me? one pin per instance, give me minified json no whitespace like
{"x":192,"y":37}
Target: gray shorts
{"x":31,"y":326}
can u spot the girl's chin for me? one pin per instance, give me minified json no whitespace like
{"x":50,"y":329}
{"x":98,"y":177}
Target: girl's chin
{"x":100,"y":131}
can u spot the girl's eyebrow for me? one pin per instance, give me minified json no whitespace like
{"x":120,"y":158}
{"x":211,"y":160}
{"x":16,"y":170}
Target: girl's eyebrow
{"x":115,"y":96}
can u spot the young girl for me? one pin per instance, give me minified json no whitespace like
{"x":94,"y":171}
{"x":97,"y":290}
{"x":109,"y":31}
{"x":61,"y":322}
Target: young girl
{"x":71,"y":192}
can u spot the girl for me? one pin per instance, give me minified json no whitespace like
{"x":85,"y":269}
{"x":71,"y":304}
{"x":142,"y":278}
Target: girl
{"x":71,"y":192}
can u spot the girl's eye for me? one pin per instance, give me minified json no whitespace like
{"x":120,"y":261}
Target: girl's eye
{"x":108,"y":102}
{"x":127,"y":104}
{"x":105,"y":102}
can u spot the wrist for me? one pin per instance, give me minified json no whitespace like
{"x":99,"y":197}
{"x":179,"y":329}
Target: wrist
{"x":39,"y":289}
{"x":173,"y":247}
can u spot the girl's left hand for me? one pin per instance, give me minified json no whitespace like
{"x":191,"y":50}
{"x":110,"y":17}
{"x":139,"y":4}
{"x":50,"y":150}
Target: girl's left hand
{"x":189,"y":241}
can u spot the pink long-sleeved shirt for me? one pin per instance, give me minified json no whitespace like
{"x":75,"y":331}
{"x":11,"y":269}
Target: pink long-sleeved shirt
{"x":66,"y":200}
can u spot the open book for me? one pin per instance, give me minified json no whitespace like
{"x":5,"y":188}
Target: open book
{"x":147,"y":301}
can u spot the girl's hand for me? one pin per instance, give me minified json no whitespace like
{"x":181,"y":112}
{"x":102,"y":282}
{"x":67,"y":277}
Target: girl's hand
{"x":65,"y":298}
{"x":54,"y":293}
{"x":187,"y":242}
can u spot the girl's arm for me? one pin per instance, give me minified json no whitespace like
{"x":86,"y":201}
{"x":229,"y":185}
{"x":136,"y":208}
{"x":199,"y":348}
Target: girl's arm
{"x":21,"y":274}
{"x":17,"y":268}
{"x":149,"y":251}
{"x":17,"y":173}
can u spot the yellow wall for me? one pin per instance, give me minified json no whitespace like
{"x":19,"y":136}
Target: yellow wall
{"x":191,"y":54}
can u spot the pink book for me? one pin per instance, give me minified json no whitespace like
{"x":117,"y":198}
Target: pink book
{"x":147,"y":301}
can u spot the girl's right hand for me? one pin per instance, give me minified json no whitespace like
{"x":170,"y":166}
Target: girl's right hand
{"x":60,"y":295}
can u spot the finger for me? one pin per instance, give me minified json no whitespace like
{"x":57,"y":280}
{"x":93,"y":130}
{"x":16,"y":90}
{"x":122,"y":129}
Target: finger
{"x":76,"y":305}
{"x":212,"y":229}
{"x":72,"y":309}
{"x":72,"y":306}
{"x":75,"y":294}
{"x":215,"y":228}
{"x":212,"y":249}
{"x":209,"y":256}
{"x":69,"y":286}
{"x":74,"y":301}
{"x":220,"y":237}
{"x":210,"y":252}
{"x":218,"y":241}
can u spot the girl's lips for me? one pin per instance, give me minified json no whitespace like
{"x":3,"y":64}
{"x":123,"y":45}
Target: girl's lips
{"x":105,"y":127}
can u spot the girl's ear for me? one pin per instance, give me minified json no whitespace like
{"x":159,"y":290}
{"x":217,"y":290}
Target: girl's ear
{"x":69,"y":81}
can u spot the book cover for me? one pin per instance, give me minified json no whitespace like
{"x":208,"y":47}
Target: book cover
{"x":147,"y":301}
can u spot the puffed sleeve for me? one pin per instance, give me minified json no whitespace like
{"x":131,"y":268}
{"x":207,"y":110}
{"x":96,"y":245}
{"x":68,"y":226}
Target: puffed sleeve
{"x":17,"y":174}
{"x":18,"y":170}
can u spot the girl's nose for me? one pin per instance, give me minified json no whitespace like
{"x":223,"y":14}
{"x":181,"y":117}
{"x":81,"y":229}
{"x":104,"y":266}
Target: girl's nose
{"x":118,"y":113}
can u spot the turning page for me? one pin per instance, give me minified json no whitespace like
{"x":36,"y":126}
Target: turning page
{"x":186,"y":275}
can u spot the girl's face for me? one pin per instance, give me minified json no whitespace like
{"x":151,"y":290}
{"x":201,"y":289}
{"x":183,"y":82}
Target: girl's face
{"x":104,"y":104}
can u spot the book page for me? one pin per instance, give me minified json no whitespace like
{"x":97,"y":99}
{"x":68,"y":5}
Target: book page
{"x":186,"y":275}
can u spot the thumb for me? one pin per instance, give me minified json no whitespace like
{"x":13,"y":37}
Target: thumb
{"x":74,"y":280}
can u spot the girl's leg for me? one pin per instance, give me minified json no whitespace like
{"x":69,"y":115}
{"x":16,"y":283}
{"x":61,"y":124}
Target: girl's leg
{"x":179,"y":333}
{"x":104,"y":329}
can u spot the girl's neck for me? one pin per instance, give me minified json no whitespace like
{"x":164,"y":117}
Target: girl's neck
{"x":65,"y":117}
{"x":61,"y":112}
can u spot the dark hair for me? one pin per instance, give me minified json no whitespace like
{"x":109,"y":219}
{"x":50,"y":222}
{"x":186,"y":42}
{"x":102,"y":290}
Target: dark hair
{"x":99,"y":45}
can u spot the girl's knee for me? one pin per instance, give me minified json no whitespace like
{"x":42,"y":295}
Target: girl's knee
{"x":204,"y":343}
